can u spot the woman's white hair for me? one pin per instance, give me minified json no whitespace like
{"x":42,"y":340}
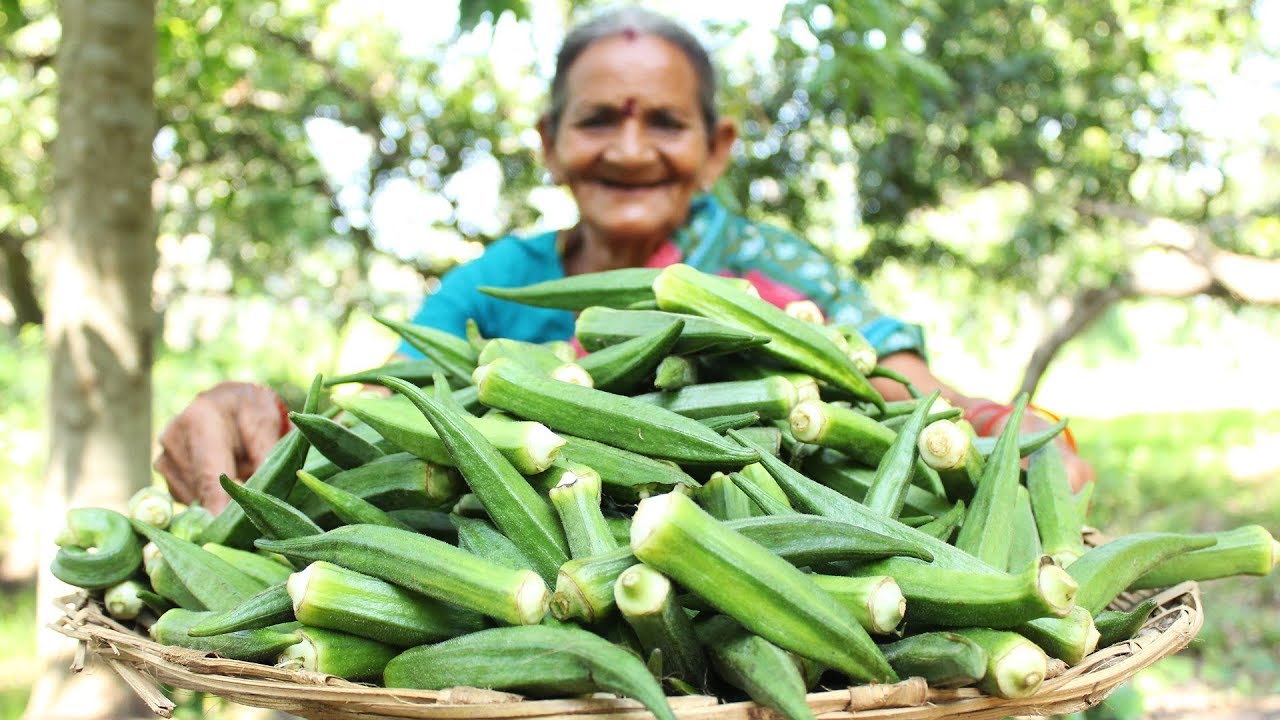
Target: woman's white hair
{"x":621,"y":21}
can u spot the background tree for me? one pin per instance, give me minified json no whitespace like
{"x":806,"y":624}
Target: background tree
{"x":99,"y":322}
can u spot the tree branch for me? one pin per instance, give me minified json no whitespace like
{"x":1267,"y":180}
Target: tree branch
{"x":20,"y":288}
{"x":1087,"y":307}
{"x":1183,"y":261}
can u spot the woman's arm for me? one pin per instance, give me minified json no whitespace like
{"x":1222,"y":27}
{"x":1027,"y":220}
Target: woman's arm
{"x":914,"y":368}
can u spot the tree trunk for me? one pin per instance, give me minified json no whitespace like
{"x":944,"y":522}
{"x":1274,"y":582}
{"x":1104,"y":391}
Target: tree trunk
{"x":99,"y":323}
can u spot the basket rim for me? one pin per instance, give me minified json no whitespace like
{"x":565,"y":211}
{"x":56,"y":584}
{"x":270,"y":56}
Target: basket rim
{"x":146,"y":664}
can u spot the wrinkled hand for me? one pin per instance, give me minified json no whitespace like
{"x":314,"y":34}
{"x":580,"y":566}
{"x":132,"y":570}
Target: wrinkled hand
{"x":229,"y":429}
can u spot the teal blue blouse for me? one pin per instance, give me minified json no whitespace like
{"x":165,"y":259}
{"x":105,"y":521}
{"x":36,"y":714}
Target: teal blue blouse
{"x":783,"y":267}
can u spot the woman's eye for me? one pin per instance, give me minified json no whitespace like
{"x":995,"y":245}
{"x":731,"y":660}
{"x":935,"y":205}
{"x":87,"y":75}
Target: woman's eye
{"x":664,"y":121}
{"x":595,"y":121}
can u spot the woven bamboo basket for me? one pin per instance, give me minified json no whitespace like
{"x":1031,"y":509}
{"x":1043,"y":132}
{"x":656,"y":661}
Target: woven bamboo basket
{"x":147,"y":665}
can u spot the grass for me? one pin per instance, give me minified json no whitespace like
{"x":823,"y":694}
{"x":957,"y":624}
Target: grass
{"x":17,"y":648}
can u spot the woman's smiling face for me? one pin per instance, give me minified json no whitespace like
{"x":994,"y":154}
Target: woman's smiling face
{"x":631,"y":144}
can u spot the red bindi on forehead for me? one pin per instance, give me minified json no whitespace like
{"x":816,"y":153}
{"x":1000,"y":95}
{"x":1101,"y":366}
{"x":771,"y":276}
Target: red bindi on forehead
{"x":629,"y":107}
{"x":630,"y":33}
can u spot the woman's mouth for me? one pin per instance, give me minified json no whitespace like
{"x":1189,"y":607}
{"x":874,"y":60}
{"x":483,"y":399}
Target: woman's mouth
{"x":620,"y":186}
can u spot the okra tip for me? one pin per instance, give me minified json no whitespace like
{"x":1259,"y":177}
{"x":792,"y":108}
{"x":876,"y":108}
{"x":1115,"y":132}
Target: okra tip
{"x":1056,"y":587}
{"x":641,"y":590}
{"x":298,"y":583}
{"x":649,"y":514}
{"x":532,"y":599}
{"x":808,"y":421}
{"x":888,"y":607}
{"x":943,"y":445}
{"x":1021,"y":671}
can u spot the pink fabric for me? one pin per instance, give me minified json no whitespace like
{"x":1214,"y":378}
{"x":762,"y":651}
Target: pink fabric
{"x":666,"y":255}
{"x":774,"y":292}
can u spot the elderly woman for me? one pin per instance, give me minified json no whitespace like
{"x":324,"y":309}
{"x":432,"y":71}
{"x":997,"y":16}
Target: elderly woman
{"x":632,"y":131}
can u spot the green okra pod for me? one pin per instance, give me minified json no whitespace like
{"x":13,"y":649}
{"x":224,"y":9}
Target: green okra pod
{"x":743,"y":579}
{"x":1069,"y":638}
{"x":274,"y":518}
{"x":96,"y":549}
{"x":943,"y":659}
{"x":335,"y":442}
{"x":1119,"y":625}
{"x":257,"y":565}
{"x":810,"y":496}
{"x":332,"y":652}
{"x":944,"y":526}
{"x":811,"y":540}
{"x":349,"y":507}
{"x":645,"y":599}
{"x":514,"y":506}
{"x":1246,"y":550}
{"x":876,"y":602}
{"x":620,"y":368}
{"x":889,"y":488}
{"x":214,"y":582}
{"x":1024,"y":549}
{"x":943,"y":597}
{"x":451,"y":353}
{"x":417,"y":372}
{"x":269,"y":607}
{"x":839,"y":472}
{"x":123,"y":600}
{"x":768,"y":674}
{"x":772,"y":397}
{"x":596,"y":415}
{"x":333,"y":597}
{"x":793,"y":342}
{"x":538,"y":660}
{"x":584,"y":586}
{"x":722,"y":499}
{"x":152,"y":506}
{"x":173,"y":628}
{"x":606,"y":288}
{"x":598,"y":328}
{"x":1016,"y":667}
{"x":1106,"y":571}
{"x":576,"y":498}
{"x":1056,"y":520}
{"x":529,"y":446}
{"x":480,"y":538}
{"x":675,"y":372}
{"x":423,"y":564}
{"x":987,"y":530}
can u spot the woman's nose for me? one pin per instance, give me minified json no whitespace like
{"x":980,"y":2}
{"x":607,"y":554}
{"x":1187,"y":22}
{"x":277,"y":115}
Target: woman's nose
{"x":631,"y":144}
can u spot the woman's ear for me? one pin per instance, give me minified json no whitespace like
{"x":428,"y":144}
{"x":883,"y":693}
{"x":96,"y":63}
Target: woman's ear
{"x":723,"y":137}
{"x":549,"y":160}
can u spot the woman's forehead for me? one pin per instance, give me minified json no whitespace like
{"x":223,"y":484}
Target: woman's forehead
{"x":645,"y":69}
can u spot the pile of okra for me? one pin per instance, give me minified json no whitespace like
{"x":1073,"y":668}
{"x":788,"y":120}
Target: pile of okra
{"x":705,"y":496}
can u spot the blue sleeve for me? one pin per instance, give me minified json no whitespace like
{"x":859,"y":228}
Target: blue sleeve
{"x":509,"y":262}
{"x":790,"y":260}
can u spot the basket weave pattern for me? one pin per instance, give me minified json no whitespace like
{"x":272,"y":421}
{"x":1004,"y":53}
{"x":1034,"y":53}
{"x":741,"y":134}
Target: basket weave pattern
{"x":144,"y":663}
